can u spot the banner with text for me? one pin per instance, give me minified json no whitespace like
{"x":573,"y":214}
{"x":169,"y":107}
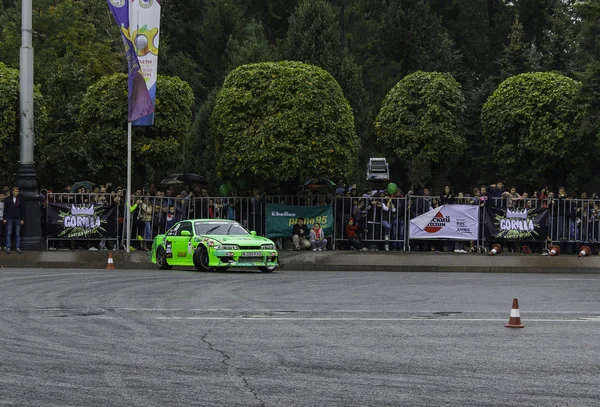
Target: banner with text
{"x":144,"y":16}
{"x":140,"y":102}
{"x":458,"y":222}
{"x":282,"y":218}
{"x":516,"y":224}
{"x":68,"y":221}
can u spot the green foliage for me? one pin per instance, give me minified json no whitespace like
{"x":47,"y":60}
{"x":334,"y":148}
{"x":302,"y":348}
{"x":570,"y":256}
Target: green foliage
{"x":313,"y":38}
{"x":519,"y":56}
{"x":156,"y":149}
{"x":9,"y":122}
{"x":252,"y":48}
{"x":283,"y":121}
{"x":531,"y":124}
{"x":368,"y":46}
{"x":200,"y":144}
{"x":421,"y":122}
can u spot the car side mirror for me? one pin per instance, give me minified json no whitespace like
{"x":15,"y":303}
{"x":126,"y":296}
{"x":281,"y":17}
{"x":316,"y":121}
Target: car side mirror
{"x":253,"y":233}
{"x":186,"y":233}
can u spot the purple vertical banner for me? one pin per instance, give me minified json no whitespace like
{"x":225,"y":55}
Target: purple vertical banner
{"x":144,"y":21}
{"x":140,"y":102}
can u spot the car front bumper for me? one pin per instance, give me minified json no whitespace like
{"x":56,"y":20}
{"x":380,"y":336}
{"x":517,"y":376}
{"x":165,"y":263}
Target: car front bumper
{"x":246,"y":258}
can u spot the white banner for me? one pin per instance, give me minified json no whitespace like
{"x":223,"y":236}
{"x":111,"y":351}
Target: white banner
{"x":144,"y":20}
{"x":458,"y":222}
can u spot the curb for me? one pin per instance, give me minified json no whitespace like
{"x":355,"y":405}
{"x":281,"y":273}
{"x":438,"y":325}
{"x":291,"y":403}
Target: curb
{"x":334,"y":261}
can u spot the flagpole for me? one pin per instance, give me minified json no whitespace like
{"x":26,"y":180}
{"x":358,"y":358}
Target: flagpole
{"x":128,"y":197}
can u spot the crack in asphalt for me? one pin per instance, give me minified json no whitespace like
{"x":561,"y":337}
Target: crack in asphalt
{"x":226,"y":361}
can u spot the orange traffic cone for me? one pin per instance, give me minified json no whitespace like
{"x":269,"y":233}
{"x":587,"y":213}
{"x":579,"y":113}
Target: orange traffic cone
{"x":554,"y":250}
{"x":584,"y":251}
{"x":515,"y":319}
{"x":496,"y":249}
{"x":110,"y":265}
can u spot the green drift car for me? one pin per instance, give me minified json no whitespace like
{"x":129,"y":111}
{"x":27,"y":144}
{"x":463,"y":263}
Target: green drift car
{"x":213,"y":244}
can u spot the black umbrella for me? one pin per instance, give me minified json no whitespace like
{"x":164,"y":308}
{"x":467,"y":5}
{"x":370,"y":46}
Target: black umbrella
{"x":86,"y":184}
{"x":186,"y":178}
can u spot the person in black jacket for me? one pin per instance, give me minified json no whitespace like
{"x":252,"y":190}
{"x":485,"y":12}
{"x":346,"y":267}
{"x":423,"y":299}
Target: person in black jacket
{"x":300,"y":235}
{"x":13,"y":218}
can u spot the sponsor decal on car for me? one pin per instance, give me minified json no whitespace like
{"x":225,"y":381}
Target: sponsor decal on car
{"x":169,"y":249}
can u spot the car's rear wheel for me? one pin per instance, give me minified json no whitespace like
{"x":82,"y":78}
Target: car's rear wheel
{"x":161,"y":259}
{"x":266,"y":269}
{"x":201,"y":259}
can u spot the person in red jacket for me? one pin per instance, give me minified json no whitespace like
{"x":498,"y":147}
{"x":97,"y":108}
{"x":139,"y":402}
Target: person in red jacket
{"x":354,"y":240}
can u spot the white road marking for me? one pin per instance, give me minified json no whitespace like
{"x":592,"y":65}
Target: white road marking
{"x":573,"y":279}
{"x":258,"y":318}
{"x":55,"y":275}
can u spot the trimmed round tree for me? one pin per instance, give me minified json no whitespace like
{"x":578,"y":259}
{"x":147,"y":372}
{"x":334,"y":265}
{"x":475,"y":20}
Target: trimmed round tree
{"x":283,"y":121}
{"x":156,"y":149}
{"x":421,"y":123}
{"x":530,"y":123}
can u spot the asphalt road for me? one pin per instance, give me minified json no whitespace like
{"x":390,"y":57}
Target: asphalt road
{"x":179,"y":338}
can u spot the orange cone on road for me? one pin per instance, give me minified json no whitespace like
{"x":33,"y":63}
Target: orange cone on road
{"x":584,"y":251}
{"x":496,"y":249}
{"x":515,"y":318}
{"x":554,"y":250}
{"x":110,"y":265}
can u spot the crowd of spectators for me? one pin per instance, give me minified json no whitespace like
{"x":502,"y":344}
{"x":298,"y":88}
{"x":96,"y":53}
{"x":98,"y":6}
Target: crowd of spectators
{"x":368,"y":219}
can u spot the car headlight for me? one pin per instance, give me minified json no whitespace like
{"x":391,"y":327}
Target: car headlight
{"x":228,"y":247}
{"x":269,"y":246}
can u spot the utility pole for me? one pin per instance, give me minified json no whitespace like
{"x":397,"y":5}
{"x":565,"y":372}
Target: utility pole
{"x":26,"y":180}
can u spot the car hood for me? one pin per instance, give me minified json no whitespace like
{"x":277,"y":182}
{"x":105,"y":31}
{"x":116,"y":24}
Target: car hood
{"x":239,"y":239}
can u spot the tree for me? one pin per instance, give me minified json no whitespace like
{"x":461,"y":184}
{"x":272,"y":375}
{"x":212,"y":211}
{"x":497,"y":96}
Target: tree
{"x":412,"y":38}
{"x":283,"y":121}
{"x":72,"y":51}
{"x":156,"y":149}
{"x":531,"y":124}
{"x":421,"y":122}
{"x":252,"y":48}
{"x":200,"y":143}
{"x":519,"y":56}
{"x":9,"y":122}
{"x":314,"y":38}
{"x":272,"y":15}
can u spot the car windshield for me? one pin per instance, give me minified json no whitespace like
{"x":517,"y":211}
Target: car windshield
{"x":219,"y":228}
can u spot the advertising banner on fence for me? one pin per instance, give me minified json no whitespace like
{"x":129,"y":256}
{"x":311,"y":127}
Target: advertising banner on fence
{"x":458,"y":222}
{"x":517,"y":224}
{"x":68,"y":221}
{"x":282,"y":218}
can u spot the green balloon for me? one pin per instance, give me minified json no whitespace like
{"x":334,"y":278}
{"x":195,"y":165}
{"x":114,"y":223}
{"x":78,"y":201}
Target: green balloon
{"x":224,"y":190}
{"x":392,"y":188}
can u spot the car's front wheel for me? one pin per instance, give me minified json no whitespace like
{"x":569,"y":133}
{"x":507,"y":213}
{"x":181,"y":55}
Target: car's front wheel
{"x":266,"y":269}
{"x":201,"y":259}
{"x":161,"y":259}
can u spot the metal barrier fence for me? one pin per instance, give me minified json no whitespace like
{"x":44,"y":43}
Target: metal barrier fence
{"x":382,"y":223}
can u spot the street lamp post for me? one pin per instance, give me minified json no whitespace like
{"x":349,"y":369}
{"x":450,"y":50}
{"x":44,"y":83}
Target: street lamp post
{"x":26,"y":175}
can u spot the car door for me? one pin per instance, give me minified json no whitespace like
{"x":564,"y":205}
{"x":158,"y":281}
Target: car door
{"x":182,"y":243}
